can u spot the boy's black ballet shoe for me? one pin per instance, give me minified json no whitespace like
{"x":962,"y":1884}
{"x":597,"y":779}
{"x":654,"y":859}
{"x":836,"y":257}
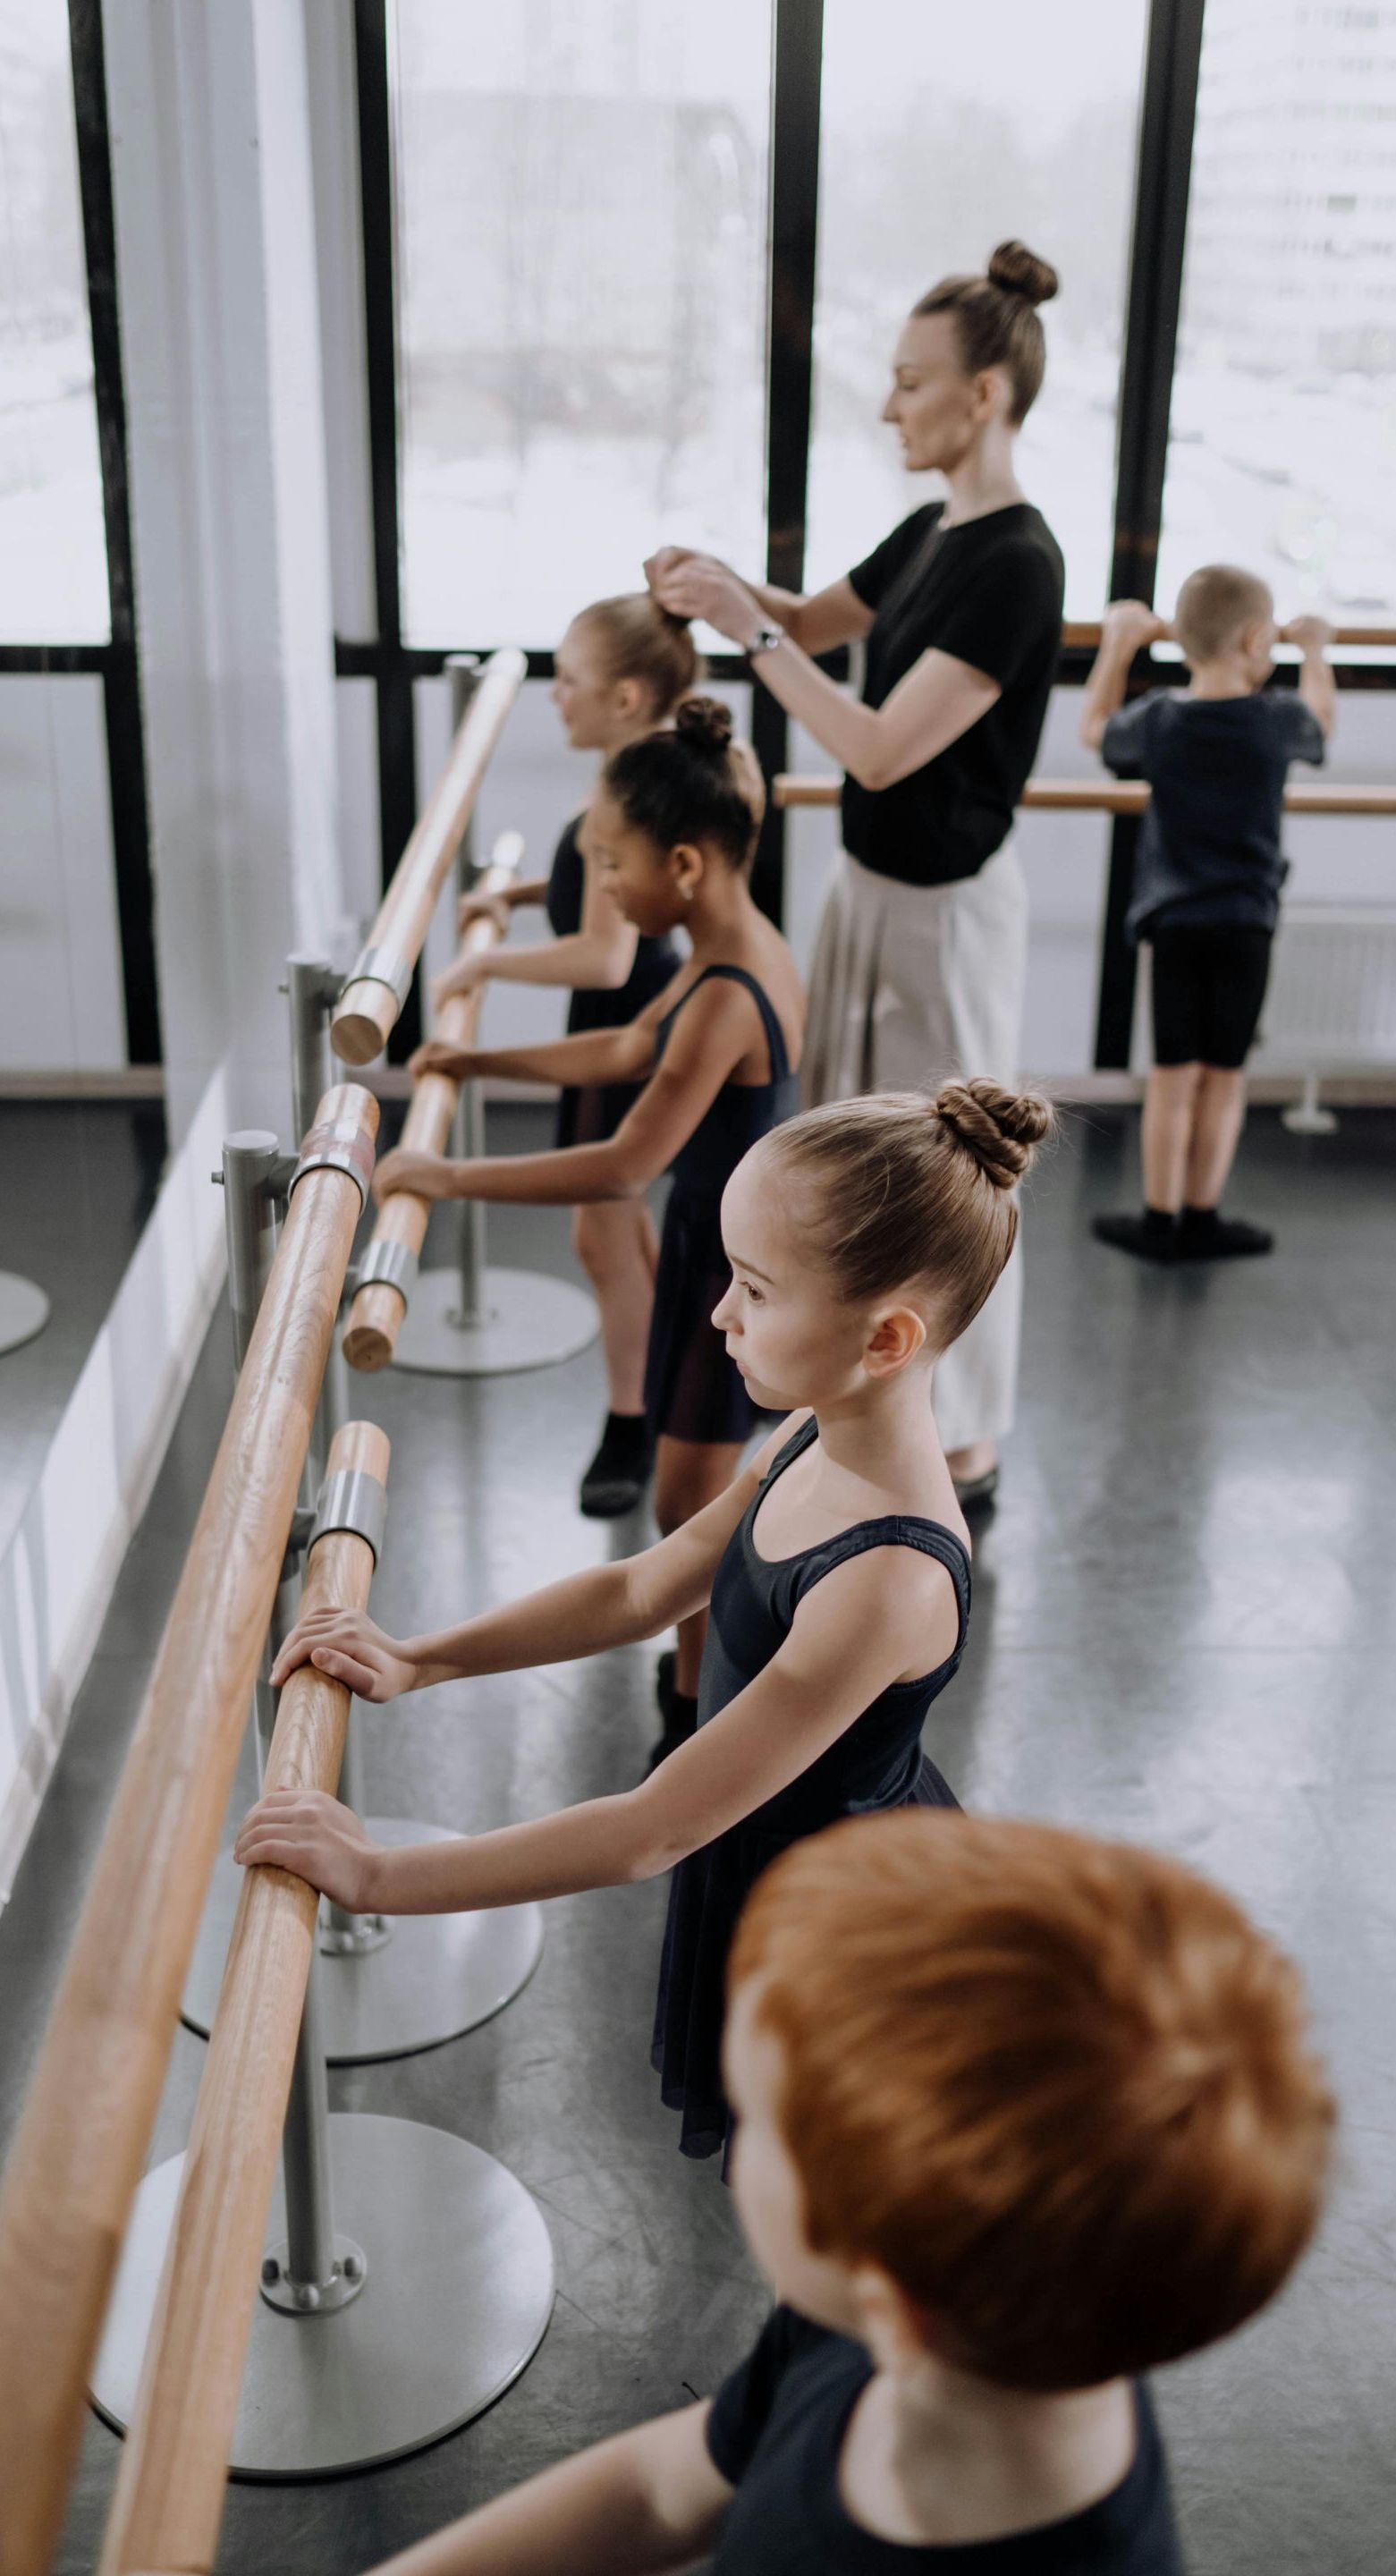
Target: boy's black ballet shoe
{"x":616,"y":1479}
{"x":1150,"y":1237}
{"x":1203,"y":1235}
{"x":978,"y":1495}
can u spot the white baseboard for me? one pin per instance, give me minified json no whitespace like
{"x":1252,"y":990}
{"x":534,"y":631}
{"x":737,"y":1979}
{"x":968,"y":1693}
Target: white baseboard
{"x":60,"y":1569}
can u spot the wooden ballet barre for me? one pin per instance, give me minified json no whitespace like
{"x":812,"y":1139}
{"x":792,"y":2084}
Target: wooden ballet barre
{"x":77,"y":2156}
{"x":1110,"y":796}
{"x":368,"y":1007}
{"x":168,"y":2504}
{"x":391,"y":1259}
{"x":1083,"y":635}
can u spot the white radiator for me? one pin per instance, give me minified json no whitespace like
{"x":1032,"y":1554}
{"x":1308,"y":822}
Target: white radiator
{"x":1331,"y":1005}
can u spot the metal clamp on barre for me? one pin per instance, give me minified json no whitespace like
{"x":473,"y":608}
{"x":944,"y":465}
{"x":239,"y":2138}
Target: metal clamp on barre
{"x":382,"y":966}
{"x":394,"y":1265}
{"x":337,"y":1145}
{"x":351,"y":1500}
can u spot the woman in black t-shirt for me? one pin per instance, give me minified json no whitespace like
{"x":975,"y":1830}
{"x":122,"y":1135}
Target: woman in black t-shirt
{"x":922,"y":951}
{"x":621,"y":669}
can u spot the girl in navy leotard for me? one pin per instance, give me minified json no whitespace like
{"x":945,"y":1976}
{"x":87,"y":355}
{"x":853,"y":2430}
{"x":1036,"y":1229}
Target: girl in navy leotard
{"x":621,"y":669}
{"x":860,"y":1239}
{"x":673,"y":829}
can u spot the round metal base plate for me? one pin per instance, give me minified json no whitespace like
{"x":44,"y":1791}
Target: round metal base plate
{"x":531,"y":1321}
{"x":24,"y":1311}
{"x":455,"y":2303}
{"x":439,"y":1974}
{"x":1304,"y":1121}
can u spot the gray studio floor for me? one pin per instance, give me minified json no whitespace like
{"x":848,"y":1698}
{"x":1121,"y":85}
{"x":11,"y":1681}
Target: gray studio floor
{"x":74,"y":1243}
{"x":1183,"y":1632}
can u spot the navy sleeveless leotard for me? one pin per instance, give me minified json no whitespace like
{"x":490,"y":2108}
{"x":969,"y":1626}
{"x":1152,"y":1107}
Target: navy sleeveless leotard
{"x":693,"y":1390}
{"x":876,"y":1763}
{"x":588,"y":1113}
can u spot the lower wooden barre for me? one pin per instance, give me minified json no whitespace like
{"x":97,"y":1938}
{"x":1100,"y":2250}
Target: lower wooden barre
{"x":375,"y":1317}
{"x":168,"y":2504}
{"x":1110,"y":796}
{"x":77,"y":2156}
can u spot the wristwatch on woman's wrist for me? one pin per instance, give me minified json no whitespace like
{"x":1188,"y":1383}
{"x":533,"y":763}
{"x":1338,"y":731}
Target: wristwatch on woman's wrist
{"x":765,"y":640}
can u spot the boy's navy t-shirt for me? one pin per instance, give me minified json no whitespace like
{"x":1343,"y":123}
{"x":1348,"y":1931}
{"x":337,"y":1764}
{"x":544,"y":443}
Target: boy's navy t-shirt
{"x":1209,"y":852}
{"x":776,"y":2433}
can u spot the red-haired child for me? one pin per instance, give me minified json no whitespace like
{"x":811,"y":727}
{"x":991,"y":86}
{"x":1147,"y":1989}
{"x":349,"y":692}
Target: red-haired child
{"x":1022,"y":2115}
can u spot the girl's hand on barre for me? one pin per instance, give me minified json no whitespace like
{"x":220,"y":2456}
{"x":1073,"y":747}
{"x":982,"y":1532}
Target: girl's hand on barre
{"x":463,"y":977}
{"x":308,"y":1832}
{"x":484,"y":907}
{"x":426,"y":1176}
{"x":437,"y":1055}
{"x":348,"y":1646}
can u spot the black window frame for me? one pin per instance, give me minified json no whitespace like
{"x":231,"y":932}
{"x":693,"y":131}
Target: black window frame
{"x":1163,"y":175}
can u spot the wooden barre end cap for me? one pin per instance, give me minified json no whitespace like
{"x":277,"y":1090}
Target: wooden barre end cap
{"x":374,"y":1322}
{"x":360,"y":1445}
{"x":363,"y":1021}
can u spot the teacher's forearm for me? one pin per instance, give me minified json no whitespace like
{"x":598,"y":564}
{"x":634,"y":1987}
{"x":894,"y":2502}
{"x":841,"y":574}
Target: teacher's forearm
{"x":851,"y":733}
{"x":786,"y":607}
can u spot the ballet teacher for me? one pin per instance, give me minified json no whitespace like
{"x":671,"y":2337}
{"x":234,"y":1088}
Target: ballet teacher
{"x":922,"y":950}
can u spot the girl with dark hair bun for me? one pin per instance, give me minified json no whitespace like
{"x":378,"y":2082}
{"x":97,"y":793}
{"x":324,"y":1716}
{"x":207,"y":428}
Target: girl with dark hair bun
{"x":710,"y":1066}
{"x":621,"y":669}
{"x":919,"y":972}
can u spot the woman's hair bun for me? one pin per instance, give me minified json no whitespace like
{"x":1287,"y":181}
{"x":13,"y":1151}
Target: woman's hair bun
{"x":999,"y":1128}
{"x":1019,"y":271}
{"x":705,"y":724}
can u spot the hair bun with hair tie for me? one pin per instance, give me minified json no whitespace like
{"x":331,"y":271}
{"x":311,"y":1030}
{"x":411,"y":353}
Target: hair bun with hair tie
{"x":705,"y":725}
{"x":999,"y":1128}
{"x":1019,"y":271}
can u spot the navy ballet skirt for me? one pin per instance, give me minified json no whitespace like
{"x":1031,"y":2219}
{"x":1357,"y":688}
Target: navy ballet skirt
{"x":876,"y":1763}
{"x":693,"y":1391}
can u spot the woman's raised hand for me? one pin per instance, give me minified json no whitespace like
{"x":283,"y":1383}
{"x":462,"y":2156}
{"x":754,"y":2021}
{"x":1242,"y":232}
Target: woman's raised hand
{"x":693,"y":585}
{"x":308,"y":1832}
{"x":426,"y":1176}
{"x":437,"y":1055}
{"x":348,"y":1646}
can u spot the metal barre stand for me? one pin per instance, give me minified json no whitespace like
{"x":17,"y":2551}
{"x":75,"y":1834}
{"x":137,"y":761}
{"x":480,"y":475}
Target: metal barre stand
{"x":388,"y":1989}
{"x":408,"y":2276}
{"x":24,"y":1310}
{"x":473,"y":1320}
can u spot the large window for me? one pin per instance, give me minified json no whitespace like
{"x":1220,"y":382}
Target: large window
{"x":944,"y":131}
{"x":582,"y":213}
{"x":1283,"y":446}
{"x":53,"y":564}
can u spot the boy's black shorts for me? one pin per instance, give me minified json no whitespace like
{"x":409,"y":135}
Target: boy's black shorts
{"x":1209,"y":982}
